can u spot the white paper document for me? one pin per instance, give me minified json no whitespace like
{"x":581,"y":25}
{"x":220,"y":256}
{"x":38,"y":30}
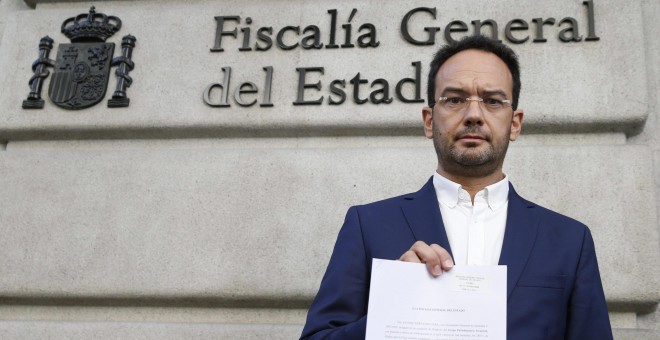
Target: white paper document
{"x":406,"y":302}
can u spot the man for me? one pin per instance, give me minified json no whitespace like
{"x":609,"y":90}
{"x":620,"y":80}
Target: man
{"x":468,"y":213}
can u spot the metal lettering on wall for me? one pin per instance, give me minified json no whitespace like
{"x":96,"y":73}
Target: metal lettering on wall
{"x":353,"y":33}
{"x":82,"y":68}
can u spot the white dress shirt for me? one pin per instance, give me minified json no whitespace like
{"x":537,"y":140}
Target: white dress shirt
{"x":475,"y":232}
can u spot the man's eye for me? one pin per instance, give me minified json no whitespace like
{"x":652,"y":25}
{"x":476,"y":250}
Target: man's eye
{"x":455,"y":100}
{"x":492,"y":101}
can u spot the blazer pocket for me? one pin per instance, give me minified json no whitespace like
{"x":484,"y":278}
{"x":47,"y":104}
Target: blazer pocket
{"x":543,"y":281}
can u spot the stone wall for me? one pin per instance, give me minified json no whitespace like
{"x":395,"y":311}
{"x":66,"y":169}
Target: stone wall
{"x":172,"y":218}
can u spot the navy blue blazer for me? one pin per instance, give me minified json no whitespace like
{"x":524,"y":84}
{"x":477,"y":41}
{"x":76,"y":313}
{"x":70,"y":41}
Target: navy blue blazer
{"x":553,"y":283}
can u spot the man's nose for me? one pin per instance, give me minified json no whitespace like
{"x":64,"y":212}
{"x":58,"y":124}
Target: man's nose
{"x":474,"y":113}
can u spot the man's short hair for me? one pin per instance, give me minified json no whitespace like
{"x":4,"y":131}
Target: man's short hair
{"x":476,"y":42}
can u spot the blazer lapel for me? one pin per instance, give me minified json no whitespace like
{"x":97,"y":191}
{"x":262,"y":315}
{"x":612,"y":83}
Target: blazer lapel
{"x":519,"y":237}
{"x":422,"y":213}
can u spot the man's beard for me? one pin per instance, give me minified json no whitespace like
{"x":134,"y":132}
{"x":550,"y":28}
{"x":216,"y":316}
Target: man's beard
{"x":470,"y":162}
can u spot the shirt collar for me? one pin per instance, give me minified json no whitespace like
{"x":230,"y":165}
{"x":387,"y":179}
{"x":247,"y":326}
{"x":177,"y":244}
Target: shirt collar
{"x":448,"y":192}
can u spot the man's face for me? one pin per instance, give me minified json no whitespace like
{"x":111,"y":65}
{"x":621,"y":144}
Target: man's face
{"x":472,"y":142}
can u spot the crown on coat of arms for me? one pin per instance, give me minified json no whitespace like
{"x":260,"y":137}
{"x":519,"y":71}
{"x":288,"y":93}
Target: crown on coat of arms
{"x":90,"y":27}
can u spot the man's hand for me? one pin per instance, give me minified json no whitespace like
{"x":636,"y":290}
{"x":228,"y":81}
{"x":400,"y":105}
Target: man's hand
{"x":435,"y":257}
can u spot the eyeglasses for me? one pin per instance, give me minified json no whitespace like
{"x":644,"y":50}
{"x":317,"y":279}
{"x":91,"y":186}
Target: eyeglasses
{"x":460,"y":104}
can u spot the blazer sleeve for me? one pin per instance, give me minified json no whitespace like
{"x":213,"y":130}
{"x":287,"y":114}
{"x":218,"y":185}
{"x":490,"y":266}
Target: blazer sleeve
{"x":587,"y":310}
{"x":339,"y":310}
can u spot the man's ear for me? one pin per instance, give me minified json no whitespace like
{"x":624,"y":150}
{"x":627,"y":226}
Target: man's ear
{"x":427,"y":116}
{"x":516,"y":124}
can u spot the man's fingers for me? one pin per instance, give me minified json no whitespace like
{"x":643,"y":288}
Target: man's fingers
{"x":446,"y":261}
{"x":429,"y":256}
{"x":435,"y":257}
{"x":410,"y":256}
